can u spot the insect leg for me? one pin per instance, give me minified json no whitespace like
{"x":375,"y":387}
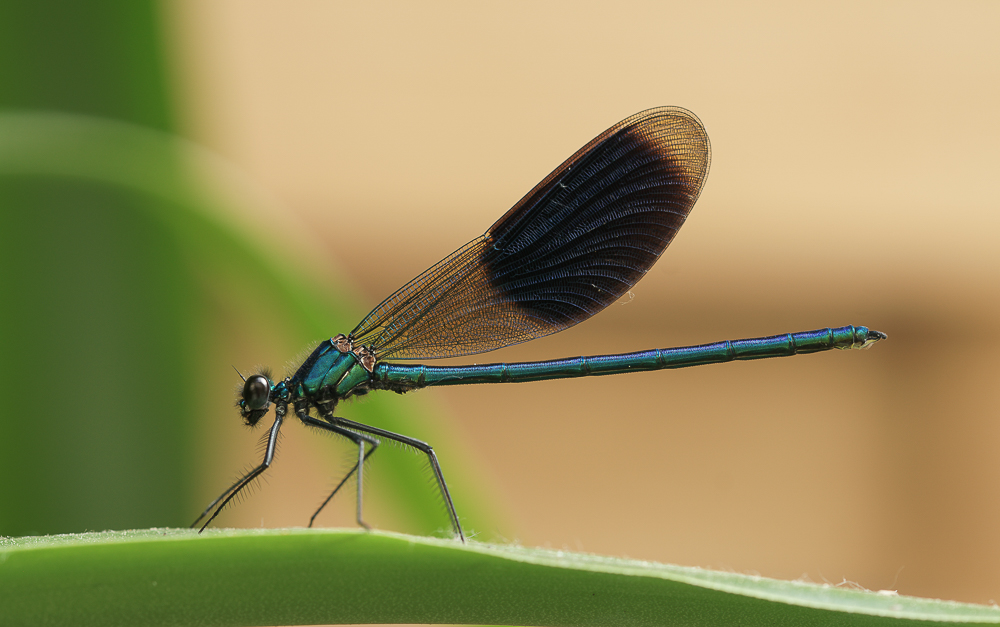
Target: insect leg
{"x":358,"y":438}
{"x":244,"y":481}
{"x":422,"y":447}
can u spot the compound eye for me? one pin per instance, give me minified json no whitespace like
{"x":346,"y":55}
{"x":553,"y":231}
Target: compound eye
{"x":256,"y":392}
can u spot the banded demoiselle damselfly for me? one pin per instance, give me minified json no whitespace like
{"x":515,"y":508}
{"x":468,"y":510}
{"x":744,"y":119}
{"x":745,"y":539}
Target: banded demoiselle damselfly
{"x":573,"y":245}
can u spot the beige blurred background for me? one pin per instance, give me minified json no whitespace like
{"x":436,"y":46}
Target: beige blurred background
{"x":854,"y":181}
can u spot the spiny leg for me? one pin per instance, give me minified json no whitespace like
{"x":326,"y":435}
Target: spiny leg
{"x":333,"y":493}
{"x":422,"y":447}
{"x":244,"y":481}
{"x":358,"y":438}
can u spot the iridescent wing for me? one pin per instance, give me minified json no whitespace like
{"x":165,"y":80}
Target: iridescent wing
{"x":573,"y":245}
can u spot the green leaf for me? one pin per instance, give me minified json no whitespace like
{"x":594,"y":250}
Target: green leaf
{"x":299,"y":576}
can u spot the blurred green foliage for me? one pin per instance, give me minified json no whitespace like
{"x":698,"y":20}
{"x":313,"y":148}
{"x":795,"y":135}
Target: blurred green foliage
{"x":95,"y":317}
{"x":111,"y":261}
{"x":103,"y":58}
{"x":95,"y":310}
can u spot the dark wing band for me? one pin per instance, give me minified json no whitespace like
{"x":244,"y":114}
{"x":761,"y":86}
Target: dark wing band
{"x":573,"y":245}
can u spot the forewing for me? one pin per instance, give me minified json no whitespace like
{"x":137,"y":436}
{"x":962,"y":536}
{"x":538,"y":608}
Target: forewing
{"x":573,"y":245}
